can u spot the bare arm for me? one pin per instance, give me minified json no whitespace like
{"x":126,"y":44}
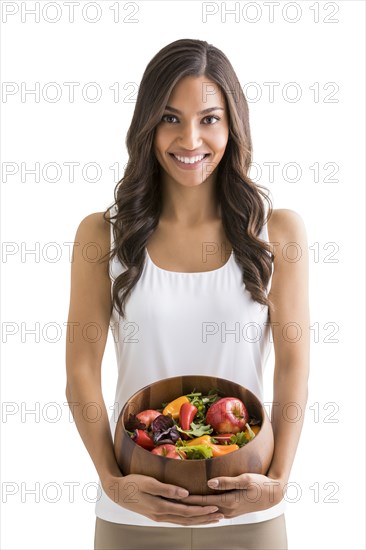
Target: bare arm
{"x":89,"y":315}
{"x":290,"y":323}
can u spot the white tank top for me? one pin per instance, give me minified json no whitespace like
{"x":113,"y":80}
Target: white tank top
{"x":187,"y":323}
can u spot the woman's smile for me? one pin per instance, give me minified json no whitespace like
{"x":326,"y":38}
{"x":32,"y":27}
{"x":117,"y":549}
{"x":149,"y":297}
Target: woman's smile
{"x":188,"y":163}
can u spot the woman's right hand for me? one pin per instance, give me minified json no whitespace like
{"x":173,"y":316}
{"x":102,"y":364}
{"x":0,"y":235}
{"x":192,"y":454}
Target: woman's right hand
{"x":147,"y":496}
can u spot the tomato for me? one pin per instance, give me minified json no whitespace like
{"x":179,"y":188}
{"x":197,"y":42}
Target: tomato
{"x":143,"y":439}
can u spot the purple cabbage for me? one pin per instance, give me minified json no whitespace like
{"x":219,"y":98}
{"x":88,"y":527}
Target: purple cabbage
{"x":161,"y":423}
{"x":164,"y":430}
{"x":133,"y":423}
{"x":168,"y":436}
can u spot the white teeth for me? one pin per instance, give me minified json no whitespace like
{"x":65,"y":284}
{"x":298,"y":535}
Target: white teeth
{"x":189,"y":160}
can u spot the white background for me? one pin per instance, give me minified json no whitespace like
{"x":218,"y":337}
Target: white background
{"x":329,"y":464}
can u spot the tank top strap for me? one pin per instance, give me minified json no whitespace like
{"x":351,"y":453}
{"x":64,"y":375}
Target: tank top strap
{"x":112,"y":211}
{"x":112,"y":263}
{"x":263,"y":234}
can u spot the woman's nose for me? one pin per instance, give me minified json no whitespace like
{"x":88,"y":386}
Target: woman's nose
{"x":190,"y":136}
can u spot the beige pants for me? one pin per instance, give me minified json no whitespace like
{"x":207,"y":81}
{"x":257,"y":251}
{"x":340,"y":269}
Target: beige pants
{"x":265,"y":535}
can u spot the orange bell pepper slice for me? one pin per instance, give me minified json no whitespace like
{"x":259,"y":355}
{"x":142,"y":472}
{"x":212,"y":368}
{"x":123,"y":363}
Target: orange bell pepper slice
{"x":217,"y":450}
{"x":203,"y":440}
{"x":173,"y":407}
{"x":221,"y":450}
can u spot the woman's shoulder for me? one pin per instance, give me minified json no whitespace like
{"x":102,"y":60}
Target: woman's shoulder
{"x":93,"y":228}
{"x":285,"y":225}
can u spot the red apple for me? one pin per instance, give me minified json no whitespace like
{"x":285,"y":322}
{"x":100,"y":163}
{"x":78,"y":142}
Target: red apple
{"x":148,"y":416}
{"x":175,"y":454}
{"x":163,"y":450}
{"x":168,"y":450}
{"x":228,"y":414}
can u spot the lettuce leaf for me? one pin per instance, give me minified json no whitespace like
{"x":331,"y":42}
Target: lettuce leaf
{"x":197,"y":430}
{"x":241,"y":438}
{"x":197,"y":451}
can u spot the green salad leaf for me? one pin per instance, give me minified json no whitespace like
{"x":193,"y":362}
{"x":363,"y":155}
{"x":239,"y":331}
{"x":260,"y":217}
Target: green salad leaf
{"x":197,"y":430}
{"x":241,"y":438}
{"x":197,"y":451}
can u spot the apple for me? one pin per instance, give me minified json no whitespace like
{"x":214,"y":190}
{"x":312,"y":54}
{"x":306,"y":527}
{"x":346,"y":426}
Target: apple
{"x":228,"y":414}
{"x":176,"y":455}
{"x":148,"y":416}
{"x":168,"y":450}
{"x":163,"y":450}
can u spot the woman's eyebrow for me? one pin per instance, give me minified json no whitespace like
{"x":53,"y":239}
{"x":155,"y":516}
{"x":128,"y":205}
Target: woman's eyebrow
{"x":168,"y":108}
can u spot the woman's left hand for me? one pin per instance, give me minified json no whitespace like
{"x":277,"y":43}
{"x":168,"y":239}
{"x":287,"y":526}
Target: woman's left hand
{"x":241,"y":494}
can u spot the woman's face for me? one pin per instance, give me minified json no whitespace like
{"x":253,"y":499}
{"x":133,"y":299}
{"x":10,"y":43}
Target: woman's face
{"x":186,"y":132}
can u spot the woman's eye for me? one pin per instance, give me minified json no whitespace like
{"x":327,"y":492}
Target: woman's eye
{"x":169,"y":116}
{"x":163,"y":118}
{"x":214,"y":117}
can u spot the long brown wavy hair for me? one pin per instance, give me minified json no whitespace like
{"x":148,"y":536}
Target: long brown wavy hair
{"x":138,"y":195}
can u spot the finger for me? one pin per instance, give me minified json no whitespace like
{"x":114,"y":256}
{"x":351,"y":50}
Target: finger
{"x":184,"y":510}
{"x":203,"y":500}
{"x":225,"y":483}
{"x":155,"y":487}
{"x":221,"y":500}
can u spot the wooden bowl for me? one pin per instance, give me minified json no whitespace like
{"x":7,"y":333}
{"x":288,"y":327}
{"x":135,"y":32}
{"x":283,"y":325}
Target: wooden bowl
{"x":193,"y":475}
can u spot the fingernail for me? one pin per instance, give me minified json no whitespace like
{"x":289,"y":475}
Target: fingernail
{"x":183,"y":492}
{"x":213,"y":483}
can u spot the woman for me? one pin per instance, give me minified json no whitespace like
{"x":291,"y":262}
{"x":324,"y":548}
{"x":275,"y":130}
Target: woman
{"x":187,"y":242}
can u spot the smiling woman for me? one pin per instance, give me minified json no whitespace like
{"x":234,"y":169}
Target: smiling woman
{"x":184,"y":204}
{"x":179,"y":139}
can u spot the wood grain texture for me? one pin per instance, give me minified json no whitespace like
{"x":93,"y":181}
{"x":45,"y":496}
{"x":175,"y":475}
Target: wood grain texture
{"x":253,"y":457}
